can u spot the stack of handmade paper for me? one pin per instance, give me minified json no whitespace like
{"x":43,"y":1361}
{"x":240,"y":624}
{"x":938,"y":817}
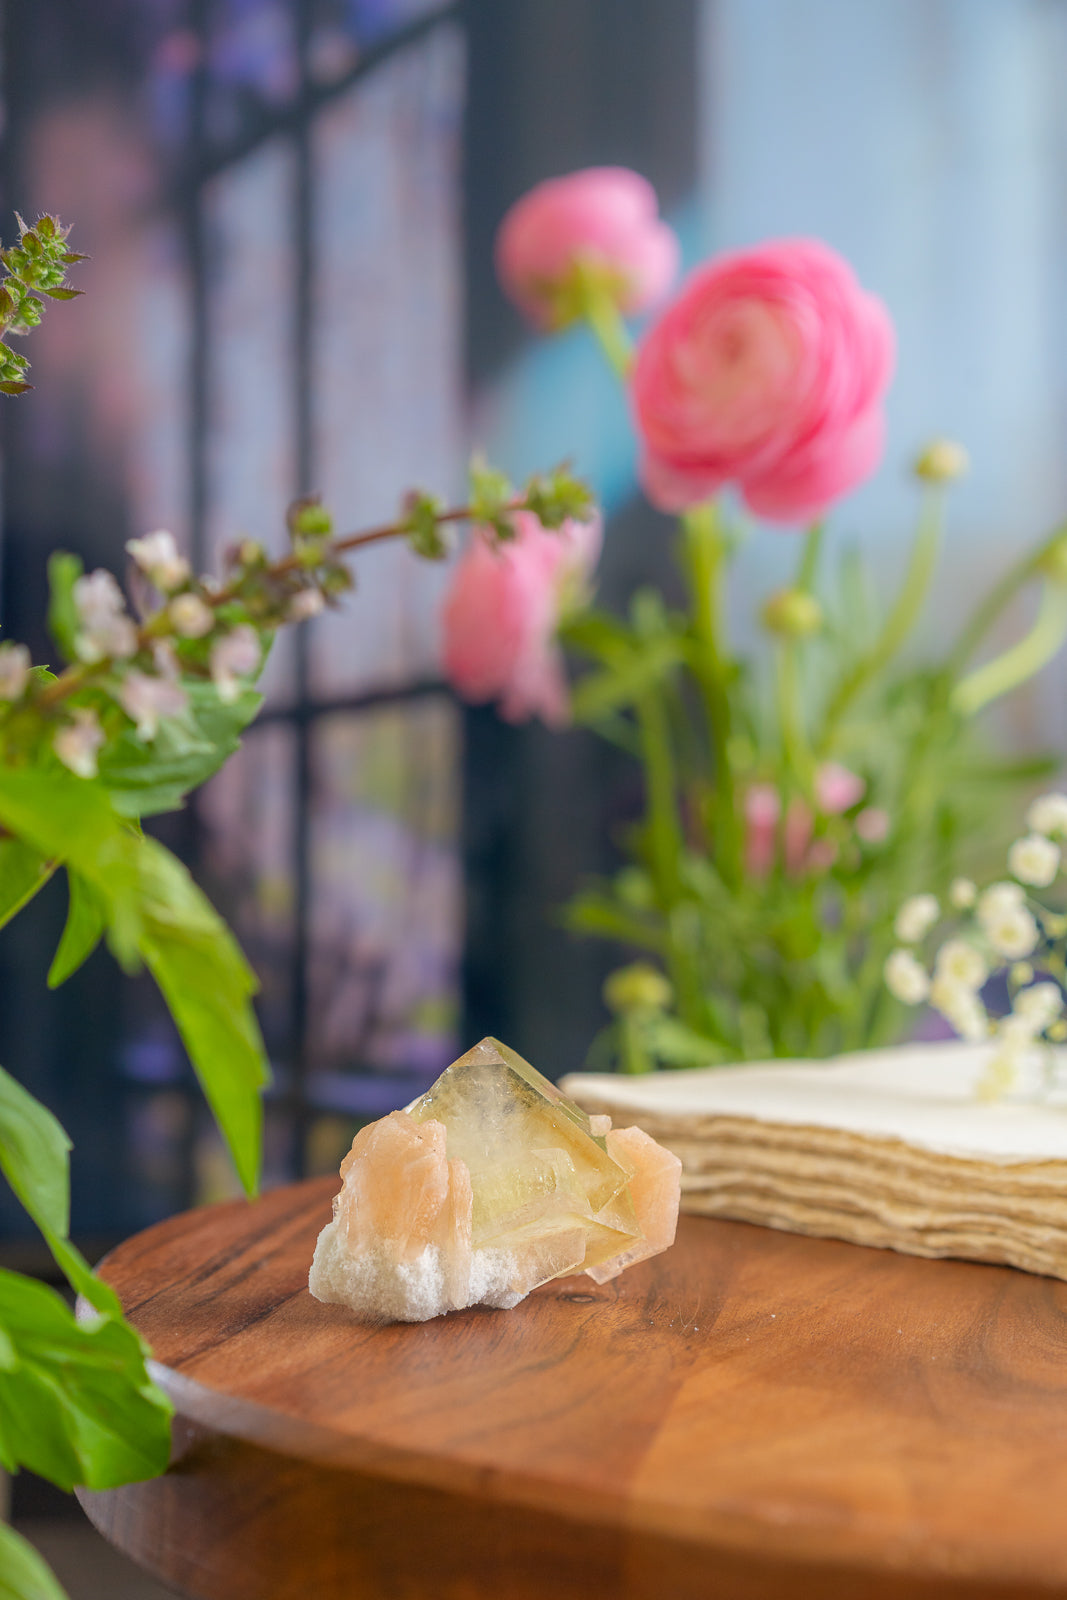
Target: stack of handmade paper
{"x":887,"y":1147}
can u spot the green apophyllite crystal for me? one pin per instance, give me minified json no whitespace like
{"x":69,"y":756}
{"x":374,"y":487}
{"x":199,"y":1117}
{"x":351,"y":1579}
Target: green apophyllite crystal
{"x":543,"y":1183}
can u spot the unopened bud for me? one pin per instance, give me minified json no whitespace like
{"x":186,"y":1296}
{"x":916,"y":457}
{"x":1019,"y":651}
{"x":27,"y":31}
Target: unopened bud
{"x":638,"y":987}
{"x":943,"y":461}
{"x":793,"y":613}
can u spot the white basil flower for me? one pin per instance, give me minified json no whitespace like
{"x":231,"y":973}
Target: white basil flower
{"x":14,"y":671}
{"x":1048,"y":814}
{"x":905,"y":978}
{"x":961,"y":963}
{"x":190,"y":617}
{"x":147,"y":699}
{"x":236,"y":655}
{"x":157,"y":556}
{"x":916,"y":917}
{"x":1034,"y":860}
{"x":962,"y":894}
{"x":106,"y":630}
{"x":76,"y":743}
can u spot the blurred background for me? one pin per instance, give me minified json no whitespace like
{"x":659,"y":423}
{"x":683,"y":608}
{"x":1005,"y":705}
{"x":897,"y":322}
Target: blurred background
{"x":290,"y":208}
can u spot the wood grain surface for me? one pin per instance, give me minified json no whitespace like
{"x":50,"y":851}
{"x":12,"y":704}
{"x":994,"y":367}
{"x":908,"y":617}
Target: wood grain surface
{"x":752,"y":1415}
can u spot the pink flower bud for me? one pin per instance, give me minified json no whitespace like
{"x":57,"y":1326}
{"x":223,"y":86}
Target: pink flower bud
{"x":763,"y":808}
{"x":837,"y":789}
{"x":768,"y":371}
{"x":605,"y":218}
{"x":501,"y":614}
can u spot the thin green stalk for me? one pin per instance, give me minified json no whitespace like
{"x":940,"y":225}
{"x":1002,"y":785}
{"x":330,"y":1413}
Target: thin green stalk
{"x":901,"y":619}
{"x":665,"y":838}
{"x":1016,"y":665}
{"x":704,"y":560}
{"x":600,"y":309}
{"x":999,"y":598}
{"x":795,"y":747}
{"x":809,"y":557}
{"x":666,"y":845}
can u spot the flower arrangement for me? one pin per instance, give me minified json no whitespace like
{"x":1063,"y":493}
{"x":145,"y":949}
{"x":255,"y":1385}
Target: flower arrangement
{"x":790,"y":800}
{"x":1000,"y":975}
{"x":150,"y":703}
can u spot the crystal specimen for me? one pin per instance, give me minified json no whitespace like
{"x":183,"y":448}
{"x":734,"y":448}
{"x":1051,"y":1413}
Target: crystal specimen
{"x":490,"y":1184}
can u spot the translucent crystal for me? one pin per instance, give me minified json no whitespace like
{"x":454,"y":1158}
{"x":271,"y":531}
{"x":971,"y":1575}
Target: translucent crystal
{"x":490,"y":1184}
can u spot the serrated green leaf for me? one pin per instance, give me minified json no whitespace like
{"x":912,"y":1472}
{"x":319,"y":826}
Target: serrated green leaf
{"x":34,"y":1155}
{"x":64,"y":625}
{"x":84,"y":929}
{"x":79,"y":1407}
{"x":208,"y":985}
{"x":24,"y":1575}
{"x":146,"y":779}
{"x":23,"y":871}
{"x":63,"y":294}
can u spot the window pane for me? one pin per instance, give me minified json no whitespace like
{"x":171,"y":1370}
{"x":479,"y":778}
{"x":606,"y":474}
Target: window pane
{"x":387,"y":385}
{"x":250,"y":432}
{"x":385,"y":904}
{"x":341,"y":31}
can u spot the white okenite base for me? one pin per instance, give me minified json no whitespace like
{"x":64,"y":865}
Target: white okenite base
{"x":887,"y":1147}
{"x":379,"y":1287}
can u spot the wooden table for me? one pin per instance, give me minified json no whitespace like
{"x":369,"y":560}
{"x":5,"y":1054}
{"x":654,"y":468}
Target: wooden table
{"x":753,"y":1414}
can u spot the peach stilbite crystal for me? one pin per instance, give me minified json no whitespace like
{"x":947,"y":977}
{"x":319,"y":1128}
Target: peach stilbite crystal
{"x":491,"y":1183}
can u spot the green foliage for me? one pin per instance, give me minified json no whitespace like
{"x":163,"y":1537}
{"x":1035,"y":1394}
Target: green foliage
{"x":82,"y":933}
{"x":23,"y":1575}
{"x":555,"y":497}
{"x":422,"y":525}
{"x":76,"y":1403}
{"x":785,"y":958}
{"x":153,"y":913}
{"x":491,"y":497}
{"x":23,"y":871}
{"x":33,"y":1156}
{"x":36,"y":266}
{"x":144,"y":779}
{"x":64,"y":570}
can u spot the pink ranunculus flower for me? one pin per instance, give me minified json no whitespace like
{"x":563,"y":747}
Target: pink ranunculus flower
{"x":606,"y":217}
{"x":502,"y":610}
{"x":767,"y":371}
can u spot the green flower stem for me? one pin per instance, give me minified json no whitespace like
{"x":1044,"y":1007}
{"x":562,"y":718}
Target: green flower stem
{"x":600,"y":309}
{"x":999,"y":598}
{"x":666,"y":847}
{"x":795,"y":747}
{"x":1016,"y":665}
{"x":901,"y":619}
{"x":809,"y":557}
{"x":704,"y":559}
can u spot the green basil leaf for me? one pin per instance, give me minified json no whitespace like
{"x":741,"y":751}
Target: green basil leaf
{"x":79,"y":1406}
{"x":83,"y":931}
{"x":208,"y":985}
{"x":63,"y":621}
{"x":34,"y":1156}
{"x":23,"y":1573}
{"x":23,"y":871}
{"x":144,"y":779}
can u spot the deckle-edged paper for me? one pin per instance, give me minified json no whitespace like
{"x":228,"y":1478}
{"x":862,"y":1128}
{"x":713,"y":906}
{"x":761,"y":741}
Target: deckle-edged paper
{"x":885,"y":1147}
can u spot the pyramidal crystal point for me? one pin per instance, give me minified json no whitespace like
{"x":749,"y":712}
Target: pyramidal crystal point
{"x":491,"y":1183}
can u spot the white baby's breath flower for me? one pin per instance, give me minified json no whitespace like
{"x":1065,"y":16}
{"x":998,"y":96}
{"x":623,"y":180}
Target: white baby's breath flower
{"x":1048,"y":814}
{"x":77,"y":743}
{"x":305,"y":605}
{"x":916,"y":917}
{"x":1034,"y":860}
{"x":106,"y":630}
{"x":961,"y":963}
{"x":236,"y":655}
{"x":1039,"y":1005}
{"x":1012,"y":933}
{"x":157,"y":556}
{"x":961,"y":1007}
{"x":905,"y":978}
{"x":998,"y":899}
{"x":14,"y":671}
{"x":190,"y":617}
{"x":962,"y":894}
{"x":146,"y":699}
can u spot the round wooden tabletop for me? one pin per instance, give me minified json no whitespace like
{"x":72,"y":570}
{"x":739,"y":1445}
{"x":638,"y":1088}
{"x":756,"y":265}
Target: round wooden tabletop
{"x":753,"y":1414}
